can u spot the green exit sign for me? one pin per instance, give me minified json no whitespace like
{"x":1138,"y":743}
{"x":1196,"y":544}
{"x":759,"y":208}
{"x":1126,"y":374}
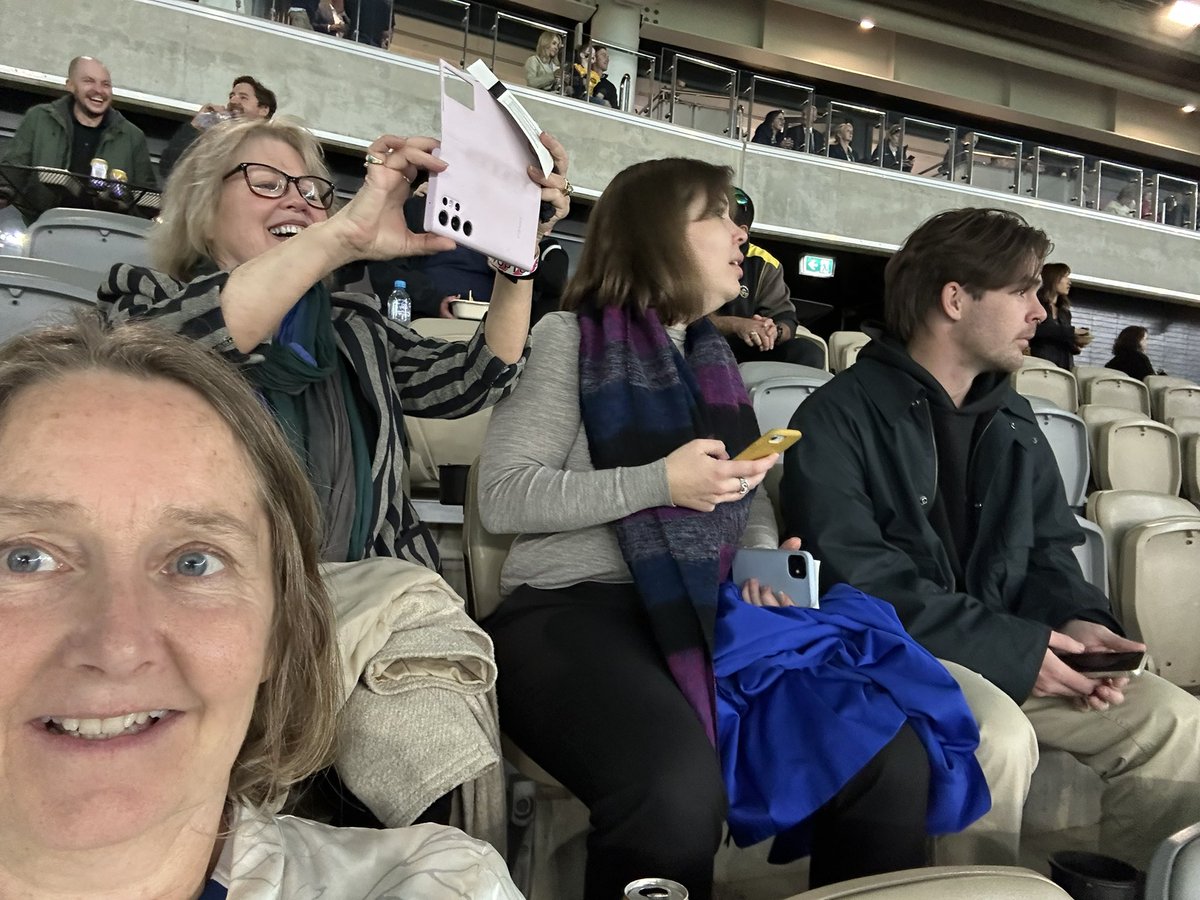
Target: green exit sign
{"x":816,"y":266}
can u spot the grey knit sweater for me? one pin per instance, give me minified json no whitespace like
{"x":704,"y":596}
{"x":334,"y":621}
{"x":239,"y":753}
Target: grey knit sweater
{"x":536,"y":477}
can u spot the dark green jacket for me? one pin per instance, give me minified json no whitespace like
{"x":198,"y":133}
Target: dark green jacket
{"x":858,"y":489}
{"x":44,"y":139}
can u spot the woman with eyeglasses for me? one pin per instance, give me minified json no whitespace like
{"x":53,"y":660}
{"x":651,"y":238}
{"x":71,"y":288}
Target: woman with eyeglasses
{"x":249,"y":238}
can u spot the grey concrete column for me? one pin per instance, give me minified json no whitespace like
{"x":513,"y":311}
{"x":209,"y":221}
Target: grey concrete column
{"x":617,"y":25}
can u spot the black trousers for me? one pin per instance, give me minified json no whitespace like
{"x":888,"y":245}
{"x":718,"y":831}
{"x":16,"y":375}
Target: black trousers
{"x":797,"y":352}
{"x":586,"y":693}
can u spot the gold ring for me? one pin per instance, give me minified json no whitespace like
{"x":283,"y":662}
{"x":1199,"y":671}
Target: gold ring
{"x":567,"y":188}
{"x":373,"y":160}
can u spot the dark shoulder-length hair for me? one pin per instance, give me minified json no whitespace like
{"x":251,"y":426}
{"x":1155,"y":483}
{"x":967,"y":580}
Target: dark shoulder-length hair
{"x":764,"y":133}
{"x":1052,"y":273}
{"x":1129,"y":340}
{"x":636,"y":253}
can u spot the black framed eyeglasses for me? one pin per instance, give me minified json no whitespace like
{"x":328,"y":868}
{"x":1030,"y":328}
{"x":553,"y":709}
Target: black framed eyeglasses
{"x":268,"y":181}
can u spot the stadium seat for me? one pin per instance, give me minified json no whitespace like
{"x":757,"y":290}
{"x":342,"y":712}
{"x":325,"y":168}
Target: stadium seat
{"x":944,"y":883}
{"x":1049,"y":382}
{"x":1157,"y":382}
{"x":1160,"y":594}
{"x":1184,"y":426}
{"x":1095,"y":415}
{"x":777,"y":388}
{"x":1190,"y":452}
{"x":1084,"y":374}
{"x":85,"y":279}
{"x":1116,"y":512}
{"x":803,"y":334}
{"x":444,"y":442}
{"x":1092,"y":555}
{"x":90,"y":239}
{"x":844,"y":347}
{"x":27,"y":301}
{"x":1174,"y":400}
{"x":775,"y":399}
{"x":1117,"y":389}
{"x":1174,"y":872}
{"x":1069,"y":440}
{"x":1036,"y":362}
{"x":1137,"y":455}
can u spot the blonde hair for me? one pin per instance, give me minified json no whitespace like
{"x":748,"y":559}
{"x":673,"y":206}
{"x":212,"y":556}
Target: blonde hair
{"x":545,"y":39}
{"x":292,"y":729}
{"x":184,"y":237}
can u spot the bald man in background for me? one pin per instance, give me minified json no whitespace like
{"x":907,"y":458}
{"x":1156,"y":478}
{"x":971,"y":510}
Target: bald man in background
{"x":68,"y":133}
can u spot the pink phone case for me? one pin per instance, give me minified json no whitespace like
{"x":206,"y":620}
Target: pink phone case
{"x":484,"y":200}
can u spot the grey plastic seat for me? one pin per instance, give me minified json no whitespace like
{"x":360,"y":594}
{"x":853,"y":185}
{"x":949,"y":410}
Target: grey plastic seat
{"x":1068,"y":439}
{"x":55,"y":271}
{"x":844,"y":347}
{"x":1092,"y":555}
{"x":1117,"y":512}
{"x":944,"y":883}
{"x":90,"y":239}
{"x":1138,"y":455}
{"x":1050,"y":382}
{"x":1115,"y":388}
{"x":1174,"y":872}
{"x":28,"y":301}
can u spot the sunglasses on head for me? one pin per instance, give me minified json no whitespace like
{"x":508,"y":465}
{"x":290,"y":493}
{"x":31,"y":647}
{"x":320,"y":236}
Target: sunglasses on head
{"x":740,"y":197}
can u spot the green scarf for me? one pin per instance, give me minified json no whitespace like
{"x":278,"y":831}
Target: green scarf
{"x":312,"y":395}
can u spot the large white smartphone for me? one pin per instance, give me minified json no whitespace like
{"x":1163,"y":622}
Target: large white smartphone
{"x":795,"y":572}
{"x":485,"y":199}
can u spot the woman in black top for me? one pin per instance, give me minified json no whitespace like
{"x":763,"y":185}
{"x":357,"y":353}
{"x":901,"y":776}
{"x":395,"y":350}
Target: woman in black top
{"x":1129,"y":353}
{"x":770,"y":131}
{"x":1056,"y":340}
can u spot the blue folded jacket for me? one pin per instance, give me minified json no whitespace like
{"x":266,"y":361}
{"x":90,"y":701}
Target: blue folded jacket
{"x":806,"y":697}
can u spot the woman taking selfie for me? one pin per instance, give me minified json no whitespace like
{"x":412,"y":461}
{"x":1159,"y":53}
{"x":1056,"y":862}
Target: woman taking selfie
{"x":249,"y":239}
{"x":612,"y":461}
{"x":170,"y":661}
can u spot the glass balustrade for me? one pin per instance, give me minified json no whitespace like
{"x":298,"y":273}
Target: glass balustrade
{"x":716,"y":99}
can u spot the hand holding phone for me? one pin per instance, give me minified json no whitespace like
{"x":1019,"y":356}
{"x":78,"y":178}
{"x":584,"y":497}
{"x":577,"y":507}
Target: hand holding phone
{"x":792,"y":572}
{"x":1106,"y":664}
{"x":774,"y":441}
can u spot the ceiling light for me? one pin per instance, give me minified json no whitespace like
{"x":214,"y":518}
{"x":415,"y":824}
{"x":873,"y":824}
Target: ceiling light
{"x":1184,"y":12}
{"x":866,"y":23}
{"x":1188,"y":107}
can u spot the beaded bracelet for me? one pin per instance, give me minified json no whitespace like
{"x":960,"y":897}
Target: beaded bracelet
{"x":511,"y":272}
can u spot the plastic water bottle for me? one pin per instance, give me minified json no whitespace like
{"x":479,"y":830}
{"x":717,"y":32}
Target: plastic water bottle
{"x":400,"y":304}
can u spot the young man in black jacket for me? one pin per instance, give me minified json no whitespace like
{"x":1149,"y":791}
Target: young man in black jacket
{"x":923,"y":479}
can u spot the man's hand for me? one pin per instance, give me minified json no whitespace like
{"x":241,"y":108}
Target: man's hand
{"x":1056,"y":678}
{"x":1096,"y":638}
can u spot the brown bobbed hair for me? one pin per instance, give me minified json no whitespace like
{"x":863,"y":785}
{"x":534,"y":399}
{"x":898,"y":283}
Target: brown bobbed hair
{"x":636,"y":253}
{"x":183,"y":239}
{"x":292,"y":728}
{"x":981,"y":249}
{"x":1130,"y":339}
{"x":1052,"y":273}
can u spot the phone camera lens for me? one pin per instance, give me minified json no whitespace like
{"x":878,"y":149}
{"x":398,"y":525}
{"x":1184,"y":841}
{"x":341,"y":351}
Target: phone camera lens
{"x":457,"y":207}
{"x":467,"y":228}
{"x":455,"y":223}
{"x":443,"y":217}
{"x":445,"y":201}
{"x":796,"y":567}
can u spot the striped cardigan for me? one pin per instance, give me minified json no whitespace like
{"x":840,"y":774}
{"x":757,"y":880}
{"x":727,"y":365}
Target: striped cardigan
{"x":398,"y":371}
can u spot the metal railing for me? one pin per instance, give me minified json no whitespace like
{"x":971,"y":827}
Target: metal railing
{"x":707,"y":97}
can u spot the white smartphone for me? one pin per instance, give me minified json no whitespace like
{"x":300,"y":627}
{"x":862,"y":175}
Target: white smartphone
{"x":795,"y":572}
{"x":484,"y":199}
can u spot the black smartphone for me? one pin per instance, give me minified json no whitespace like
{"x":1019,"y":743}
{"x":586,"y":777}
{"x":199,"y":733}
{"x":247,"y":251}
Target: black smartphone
{"x":1106,"y":664}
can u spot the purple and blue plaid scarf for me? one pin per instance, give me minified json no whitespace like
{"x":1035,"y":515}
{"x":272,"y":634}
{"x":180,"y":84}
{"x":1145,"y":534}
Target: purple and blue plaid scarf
{"x":641,"y":400}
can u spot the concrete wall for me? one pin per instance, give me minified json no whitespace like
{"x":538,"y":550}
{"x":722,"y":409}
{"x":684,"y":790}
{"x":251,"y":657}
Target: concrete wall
{"x":178,"y":55}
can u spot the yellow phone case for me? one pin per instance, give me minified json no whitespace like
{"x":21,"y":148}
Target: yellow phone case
{"x":774,"y":441}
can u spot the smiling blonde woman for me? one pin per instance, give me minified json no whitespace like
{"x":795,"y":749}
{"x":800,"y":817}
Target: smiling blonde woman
{"x":169,"y":666}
